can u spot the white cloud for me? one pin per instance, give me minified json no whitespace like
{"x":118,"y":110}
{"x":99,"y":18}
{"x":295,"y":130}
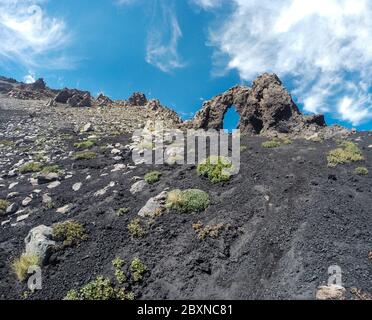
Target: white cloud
{"x":208,"y":4}
{"x":29,"y":78}
{"x":27,"y":34}
{"x":163,"y":36}
{"x":325,"y":45}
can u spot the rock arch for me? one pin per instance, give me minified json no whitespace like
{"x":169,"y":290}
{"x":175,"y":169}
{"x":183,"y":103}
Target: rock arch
{"x":267,"y":106}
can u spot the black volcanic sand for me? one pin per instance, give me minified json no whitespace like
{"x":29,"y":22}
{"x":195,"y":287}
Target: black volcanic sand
{"x":292,"y":217}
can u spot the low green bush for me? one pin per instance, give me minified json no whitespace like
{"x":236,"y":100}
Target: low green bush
{"x":362,"y":171}
{"x":188,"y":201}
{"x":347,"y":152}
{"x":152,"y":177}
{"x":85,"y":155}
{"x":216,"y":169}
{"x":4,"y":204}
{"x":30,"y":167}
{"x":69,"y":232}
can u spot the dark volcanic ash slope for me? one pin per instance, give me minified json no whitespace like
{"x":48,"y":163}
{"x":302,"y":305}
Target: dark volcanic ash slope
{"x":291,"y":216}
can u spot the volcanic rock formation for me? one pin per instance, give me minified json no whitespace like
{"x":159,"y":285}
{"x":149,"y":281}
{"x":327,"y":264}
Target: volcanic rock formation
{"x":265,"y":107}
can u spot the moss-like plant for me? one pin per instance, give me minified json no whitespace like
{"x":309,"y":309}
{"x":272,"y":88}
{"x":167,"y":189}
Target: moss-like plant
{"x":21,"y":265}
{"x":271,"y":144}
{"x":362,"y":171}
{"x":122,"y":211}
{"x":100,"y":289}
{"x":212,"y":231}
{"x":138,"y":268}
{"x":83,"y":145}
{"x":30,"y":167}
{"x":85,"y":155}
{"x":216,"y":169}
{"x":119,"y":274}
{"x":152,"y":177}
{"x":4,"y":204}
{"x":50,"y":169}
{"x":69,"y":232}
{"x":135,"y":228}
{"x":347,"y":152}
{"x":188,"y":201}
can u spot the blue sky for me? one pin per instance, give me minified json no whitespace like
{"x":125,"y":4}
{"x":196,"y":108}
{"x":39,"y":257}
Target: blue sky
{"x":184,"y":51}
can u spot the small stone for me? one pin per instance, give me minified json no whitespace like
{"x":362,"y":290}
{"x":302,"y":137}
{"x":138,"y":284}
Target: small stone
{"x":12,"y":195}
{"x":77,"y":186}
{"x":26,"y":201}
{"x":46,"y":198}
{"x":47,"y":177}
{"x":39,"y":242}
{"x":87,"y":128}
{"x":12,"y":208}
{"x":22,"y":217}
{"x":12,"y":185}
{"x":65,"y":209}
{"x":115,"y":151}
{"x":53,"y":185}
{"x":138,"y":186}
{"x":118,"y":167}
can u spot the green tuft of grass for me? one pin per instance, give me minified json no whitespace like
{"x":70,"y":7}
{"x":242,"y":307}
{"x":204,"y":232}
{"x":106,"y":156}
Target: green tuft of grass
{"x":99,"y":289}
{"x":271,"y":144}
{"x":136,"y":229}
{"x":85,"y":155}
{"x":152,"y":177}
{"x":361,"y":171}
{"x":21,"y":265}
{"x":50,"y":169}
{"x":138,"y":268}
{"x":30,"y":167}
{"x":188,"y":201}
{"x":69,"y":232}
{"x":216,"y":169}
{"x":83,"y":145}
{"x":4,"y":204}
{"x":346,"y":153}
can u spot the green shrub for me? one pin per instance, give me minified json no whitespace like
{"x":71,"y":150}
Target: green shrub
{"x":70,"y":232}
{"x":135,"y":228}
{"x":85,"y":155}
{"x":138,"y":269}
{"x":30,"y":167}
{"x":4,"y":204}
{"x":347,"y":152}
{"x":86,"y":144}
{"x":216,"y":169}
{"x":51,"y":169}
{"x":187,"y":201}
{"x":21,"y":265}
{"x":119,"y":274}
{"x":152,"y":177}
{"x":362,"y":171}
{"x":271,"y":144}
{"x":99,"y":289}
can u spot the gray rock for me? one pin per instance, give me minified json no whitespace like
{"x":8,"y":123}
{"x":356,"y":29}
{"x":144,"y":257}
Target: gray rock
{"x":53,"y":185}
{"x":87,"y":128}
{"x":77,"y":186}
{"x":43,"y":178}
{"x":138,"y":186}
{"x":153,"y":205}
{"x":39,"y":242}
{"x":13,"y":208}
{"x":26,"y":201}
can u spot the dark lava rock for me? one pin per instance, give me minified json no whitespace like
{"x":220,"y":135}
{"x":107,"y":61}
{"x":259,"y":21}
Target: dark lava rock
{"x":138,"y":99}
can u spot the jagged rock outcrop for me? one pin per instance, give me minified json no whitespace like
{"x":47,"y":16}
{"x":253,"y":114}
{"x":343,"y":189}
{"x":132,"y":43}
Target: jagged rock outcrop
{"x":266,"y":107}
{"x":74,"y":98}
{"x":103,"y":100}
{"x":137,"y":99}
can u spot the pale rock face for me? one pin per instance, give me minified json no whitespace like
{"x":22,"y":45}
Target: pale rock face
{"x":332,"y":292}
{"x":153,"y":205}
{"x":39,"y":242}
{"x":138,"y":186}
